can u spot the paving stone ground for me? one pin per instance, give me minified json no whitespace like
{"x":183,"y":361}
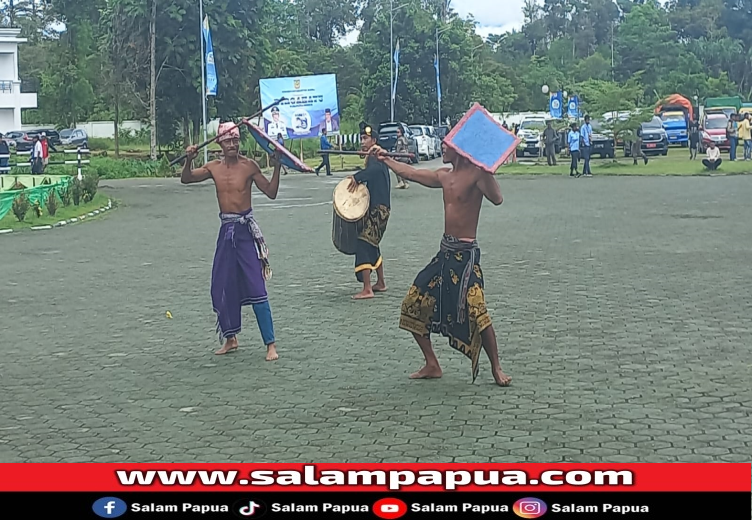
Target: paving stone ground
{"x":622,"y":307}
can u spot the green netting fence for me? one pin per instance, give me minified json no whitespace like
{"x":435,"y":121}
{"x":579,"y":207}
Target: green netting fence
{"x":36,"y":187}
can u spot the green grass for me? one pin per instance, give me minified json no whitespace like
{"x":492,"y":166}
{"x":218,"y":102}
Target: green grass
{"x":63,"y":213}
{"x":675,"y":163}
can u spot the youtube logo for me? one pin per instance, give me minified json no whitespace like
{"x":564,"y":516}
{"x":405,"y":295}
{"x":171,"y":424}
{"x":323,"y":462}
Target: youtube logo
{"x":389,"y":508}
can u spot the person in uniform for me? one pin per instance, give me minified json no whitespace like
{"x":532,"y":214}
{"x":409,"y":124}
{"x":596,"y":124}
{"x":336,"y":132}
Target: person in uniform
{"x":277,"y":126}
{"x":376,"y":177}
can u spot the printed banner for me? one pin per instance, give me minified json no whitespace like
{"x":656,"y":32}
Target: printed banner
{"x":555,"y":105}
{"x":311,"y":105}
{"x":211,"y":69}
{"x":574,"y":107}
{"x":438,"y":78}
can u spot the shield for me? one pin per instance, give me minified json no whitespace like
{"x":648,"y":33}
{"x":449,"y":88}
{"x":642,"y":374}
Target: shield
{"x":269,"y":145}
{"x":480,"y":139}
{"x":297,"y":84}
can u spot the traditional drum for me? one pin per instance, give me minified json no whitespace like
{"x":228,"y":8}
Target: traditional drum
{"x":349,"y":212}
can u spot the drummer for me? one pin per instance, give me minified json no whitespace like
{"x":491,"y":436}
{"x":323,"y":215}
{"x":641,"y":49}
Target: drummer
{"x":368,"y":253}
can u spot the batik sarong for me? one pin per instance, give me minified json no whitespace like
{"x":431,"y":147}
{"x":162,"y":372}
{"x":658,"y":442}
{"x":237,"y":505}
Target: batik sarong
{"x":367,"y":252}
{"x":447,"y":298}
{"x":241,"y":268}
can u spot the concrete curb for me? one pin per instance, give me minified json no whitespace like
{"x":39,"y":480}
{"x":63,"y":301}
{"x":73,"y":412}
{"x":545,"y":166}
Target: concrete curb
{"x":72,"y":220}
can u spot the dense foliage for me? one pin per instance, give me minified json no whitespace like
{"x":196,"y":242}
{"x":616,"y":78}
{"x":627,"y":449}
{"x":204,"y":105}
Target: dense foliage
{"x":91,"y":59}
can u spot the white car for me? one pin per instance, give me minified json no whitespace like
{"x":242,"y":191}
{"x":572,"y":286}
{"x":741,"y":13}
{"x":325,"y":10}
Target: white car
{"x":426,"y":142}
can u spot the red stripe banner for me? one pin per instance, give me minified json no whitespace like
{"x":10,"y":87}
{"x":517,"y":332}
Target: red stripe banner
{"x":377,"y":477}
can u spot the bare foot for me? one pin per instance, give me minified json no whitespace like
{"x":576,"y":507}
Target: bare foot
{"x":271,"y":352}
{"x":379,"y":287}
{"x":365,"y":294}
{"x":427,"y":372}
{"x":501,"y":378}
{"x":231,"y":345}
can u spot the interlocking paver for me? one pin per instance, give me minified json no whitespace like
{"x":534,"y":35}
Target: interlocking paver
{"x":621,"y":306}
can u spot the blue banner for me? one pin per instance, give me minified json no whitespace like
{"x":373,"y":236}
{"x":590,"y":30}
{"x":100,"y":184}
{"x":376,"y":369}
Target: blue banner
{"x":311,"y":105}
{"x":555,"y":105}
{"x":438,"y":80}
{"x":211,"y":70}
{"x":396,"y":71}
{"x":574,"y":107}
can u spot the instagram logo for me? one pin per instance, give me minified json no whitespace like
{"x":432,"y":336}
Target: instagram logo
{"x":530,"y":508}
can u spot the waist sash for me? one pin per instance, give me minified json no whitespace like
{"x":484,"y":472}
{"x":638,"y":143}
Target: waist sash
{"x":247,"y":219}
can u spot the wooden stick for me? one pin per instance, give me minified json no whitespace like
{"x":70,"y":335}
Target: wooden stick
{"x":363,"y":154}
{"x":210,"y":141}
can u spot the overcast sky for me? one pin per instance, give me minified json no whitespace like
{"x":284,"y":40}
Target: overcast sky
{"x":493,"y":16}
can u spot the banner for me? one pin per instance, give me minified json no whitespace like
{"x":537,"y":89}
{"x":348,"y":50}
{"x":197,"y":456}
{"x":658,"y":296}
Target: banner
{"x":555,"y":105}
{"x":396,"y":70}
{"x":574,"y":107}
{"x":211,"y":70}
{"x":387,"y":491}
{"x":311,"y":105}
{"x":438,"y":80}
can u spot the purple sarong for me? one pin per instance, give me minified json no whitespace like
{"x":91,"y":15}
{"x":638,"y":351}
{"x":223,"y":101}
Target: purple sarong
{"x":240,"y":270}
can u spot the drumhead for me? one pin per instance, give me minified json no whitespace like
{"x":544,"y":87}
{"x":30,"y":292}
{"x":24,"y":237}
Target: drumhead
{"x":351,"y":207}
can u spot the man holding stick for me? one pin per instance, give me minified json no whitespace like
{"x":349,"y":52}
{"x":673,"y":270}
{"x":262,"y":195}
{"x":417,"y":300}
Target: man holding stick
{"x":447,"y":296}
{"x":241,"y":264}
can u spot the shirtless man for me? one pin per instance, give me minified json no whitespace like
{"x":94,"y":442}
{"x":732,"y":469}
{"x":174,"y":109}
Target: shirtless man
{"x":447,"y":296}
{"x":241,"y":264}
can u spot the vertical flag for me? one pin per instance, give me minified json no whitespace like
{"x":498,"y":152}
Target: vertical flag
{"x":396,"y":70}
{"x":438,"y":80}
{"x":211,"y":70}
{"x":574,"y":107}
{"x":555,"y":105}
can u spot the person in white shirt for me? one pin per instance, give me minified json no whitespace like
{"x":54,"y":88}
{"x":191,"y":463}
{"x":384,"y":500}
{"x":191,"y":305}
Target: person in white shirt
{"x":713,"y":161}
{"x":277,"y":125}
{"x":37,"y":156}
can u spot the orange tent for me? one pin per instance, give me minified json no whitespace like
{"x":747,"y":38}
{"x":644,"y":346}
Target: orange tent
{"x":677,"y":102}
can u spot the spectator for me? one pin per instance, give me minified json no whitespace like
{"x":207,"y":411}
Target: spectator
{"x":402,"y":146}
{"x":732,"y":132}
{"x":46,"y":146}
{"x":573,"y":143}
{"x":4,"y":150}
{"x":37,"y":157}
{"x":713,"y":161}
{"x":694,"y":140}
{"x":745,"y":134}
{"x":325,"y":145}
{"x":549,"y":139}
{"x":586,"y":132}
{"x":637,"y":147}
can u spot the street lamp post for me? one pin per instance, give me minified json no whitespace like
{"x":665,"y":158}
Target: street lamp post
{"x":438,"y":32}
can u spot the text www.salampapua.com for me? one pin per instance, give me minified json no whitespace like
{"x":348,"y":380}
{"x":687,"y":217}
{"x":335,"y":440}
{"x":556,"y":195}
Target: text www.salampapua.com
{"x":394,"y":479}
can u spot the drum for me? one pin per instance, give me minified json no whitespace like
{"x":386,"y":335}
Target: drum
{"x":348,"y":216}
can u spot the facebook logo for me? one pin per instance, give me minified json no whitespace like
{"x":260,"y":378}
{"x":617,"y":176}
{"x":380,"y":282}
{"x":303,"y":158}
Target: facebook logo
{"x":109,"y":507}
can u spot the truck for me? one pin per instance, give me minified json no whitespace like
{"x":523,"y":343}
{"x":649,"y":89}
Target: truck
{"x":729,"y":105}
{"x":676,"y":113}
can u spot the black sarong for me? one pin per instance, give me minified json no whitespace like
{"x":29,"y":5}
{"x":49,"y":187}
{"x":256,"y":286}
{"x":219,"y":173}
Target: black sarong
{"x":447,"y":298}
{"x":368,"y":253}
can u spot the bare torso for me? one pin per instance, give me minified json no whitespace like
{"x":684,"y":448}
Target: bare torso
{"x":233,"y":183}
{"x":462,"y":201}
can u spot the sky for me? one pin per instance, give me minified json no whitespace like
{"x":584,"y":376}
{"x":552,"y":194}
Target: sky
{"x":493,"y":16}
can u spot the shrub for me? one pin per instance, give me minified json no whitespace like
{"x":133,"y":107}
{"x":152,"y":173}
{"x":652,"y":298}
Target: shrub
{"x":90,"y":186}
{"x":97,"y":143}
{"x":51,"y":203}
{"x":109,"y":168}
{"x":77,"y":191}
{"x":66,"y":196}
{"x":21,"y":206}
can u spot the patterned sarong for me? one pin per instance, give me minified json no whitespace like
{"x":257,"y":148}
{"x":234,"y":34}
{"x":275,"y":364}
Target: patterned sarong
{"x":368,"y":253}
{"x":447,"y":298}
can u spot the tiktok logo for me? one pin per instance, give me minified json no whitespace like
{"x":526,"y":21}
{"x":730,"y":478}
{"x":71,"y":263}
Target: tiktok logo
{"x":249,"y":508}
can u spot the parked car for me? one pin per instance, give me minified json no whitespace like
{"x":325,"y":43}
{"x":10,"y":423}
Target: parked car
{"x":531,"y":131}
{"x":654,"y":139}
{"x":11,"y":138}
{"x":603,"y":141}
{"x":713,"y":129}
{"x":25,"y":141}
{"x":74,"y":137}
{"x":436,"y":140}
{"x":388,"y":138}
{"x":426,"y":142}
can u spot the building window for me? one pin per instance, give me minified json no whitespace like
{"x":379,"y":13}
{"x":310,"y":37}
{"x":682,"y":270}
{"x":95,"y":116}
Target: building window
{"x":6,"y":87}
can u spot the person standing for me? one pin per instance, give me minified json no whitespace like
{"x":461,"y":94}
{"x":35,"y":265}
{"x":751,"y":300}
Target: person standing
{"x":732,"y":132}
{"x":37,"y":156}
{"x":694,"y":140}
{"x":745,"y":134}
{"x":549,"y":140}
{"x":587,"y":141}
{"x":4,"y":150}
{"x":637,"y":147}
{"x":573,"y":143}
{"x":241,"y":262}
{"x":325,"y":145}
{"x":401,"y":147}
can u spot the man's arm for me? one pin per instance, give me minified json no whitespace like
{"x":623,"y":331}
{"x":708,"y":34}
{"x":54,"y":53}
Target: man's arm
{"x":428,"y":178}
{"x":490,"y":188}
{"x":270,"y":189}
{"x":189,"y":175}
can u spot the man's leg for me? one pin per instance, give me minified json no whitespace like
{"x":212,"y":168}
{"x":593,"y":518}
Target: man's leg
{"x":488,"y":336}
{"x":380,"y":285}
{"x":586,"y":157}
{"x":706,"y":163}
{"x":328,"y":166}
{"x":263,"y":313}
{"x":367,"y":292}
{"x":431,"y":370}
{"x":732,"y":150}
{"x":717,"y":164}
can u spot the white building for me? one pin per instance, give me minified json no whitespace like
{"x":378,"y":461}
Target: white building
{"x":12,"y":101}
